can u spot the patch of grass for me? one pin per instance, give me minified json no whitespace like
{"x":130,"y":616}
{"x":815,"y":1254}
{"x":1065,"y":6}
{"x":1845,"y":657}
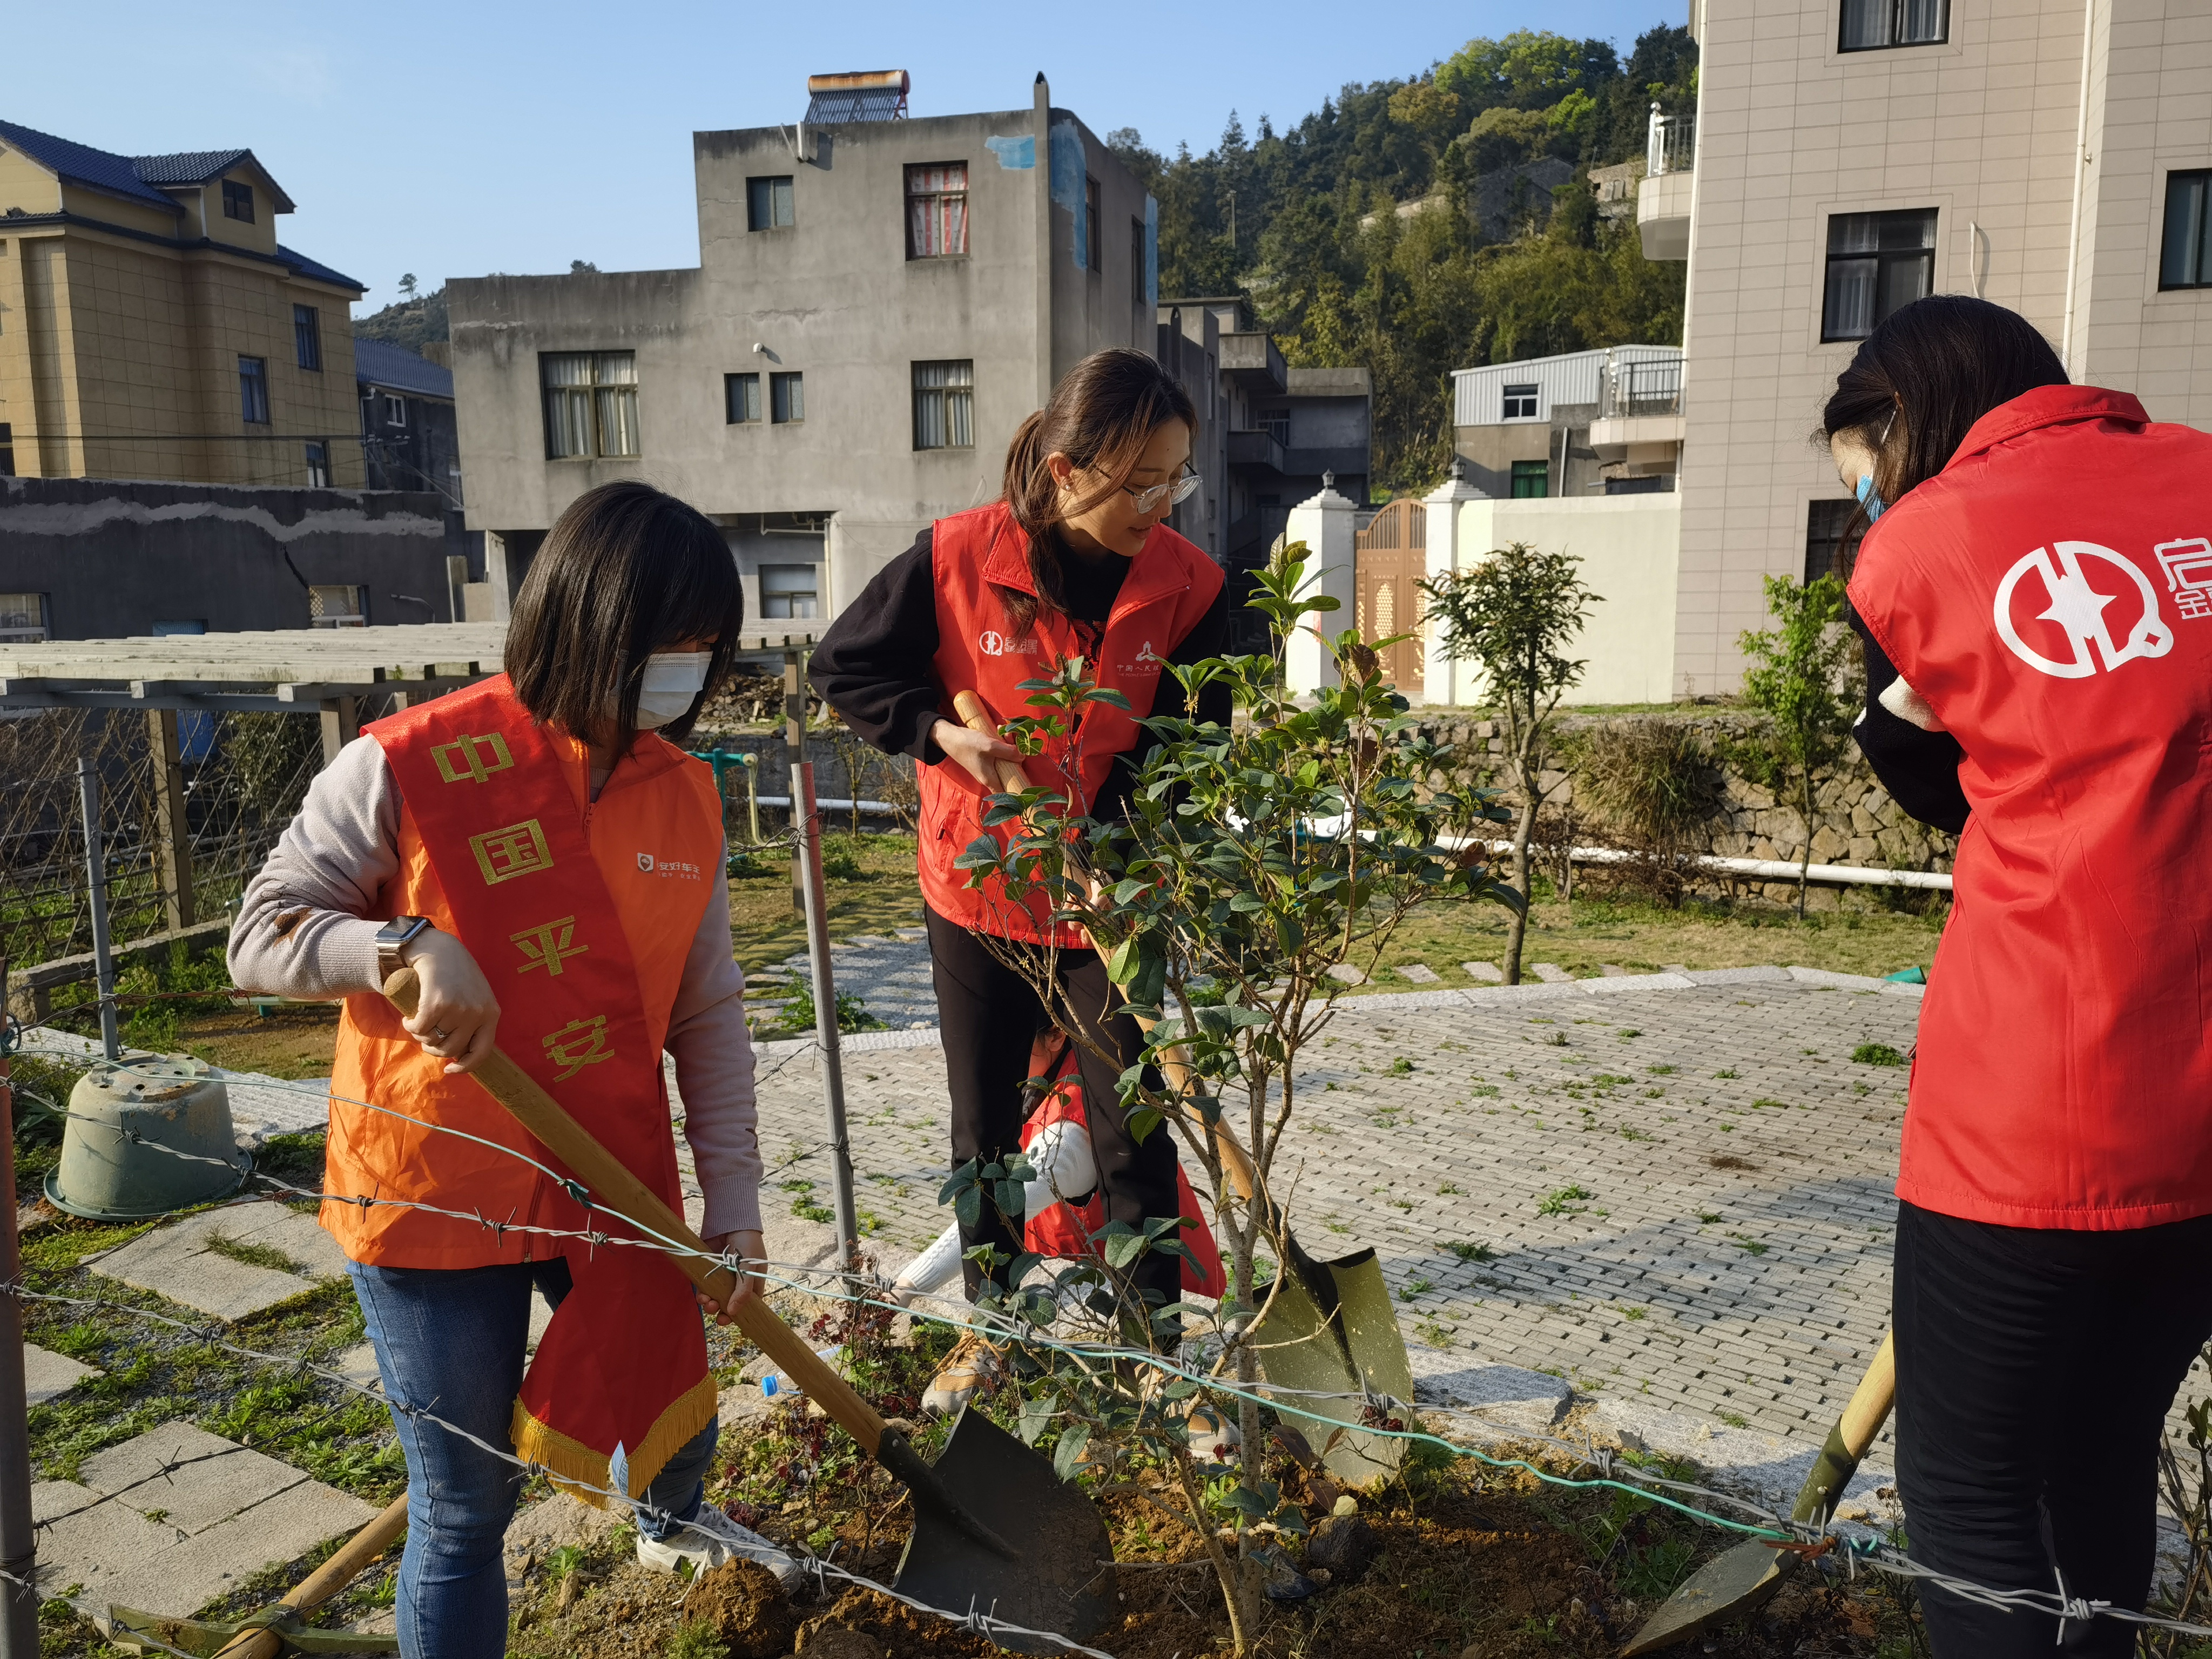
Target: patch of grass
{"x":1877,"y":1054}
{"x":695,"y":1640}
{"x":1467,"y":1252}
{"x":1562,"y":1202}
{"x":1401,"y":1067}
{"x":1729,"y":1073}
{"x":1418,"y":1287}
{"x":250,"y":1254}
{"x":1749,"y":1245}
{"x":1627,"y":1032}
{"x":1660,"y":1071}
{"x":1733,"y":1420}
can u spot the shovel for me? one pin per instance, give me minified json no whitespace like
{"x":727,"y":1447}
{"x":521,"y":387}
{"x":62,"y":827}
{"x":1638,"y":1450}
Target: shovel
{"x":1739,"y":1581}
{"x":1329,"y":1328}
{"x":994,"y":1529}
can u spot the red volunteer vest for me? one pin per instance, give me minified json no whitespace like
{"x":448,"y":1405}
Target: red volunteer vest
{"x":1169,"y":587}
{"x":2050,"y":594}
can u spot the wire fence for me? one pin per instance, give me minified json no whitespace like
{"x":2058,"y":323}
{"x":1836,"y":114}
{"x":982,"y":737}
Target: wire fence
{"x":236,"y":781}
{"x":1826,"y":1546}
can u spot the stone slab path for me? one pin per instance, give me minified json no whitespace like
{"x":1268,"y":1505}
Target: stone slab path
{"x":185,"y":1260}
{"x":49,"y":1375}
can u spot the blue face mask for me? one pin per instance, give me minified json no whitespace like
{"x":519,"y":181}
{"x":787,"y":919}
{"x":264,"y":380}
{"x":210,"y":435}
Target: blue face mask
{"x":1869,"y":498}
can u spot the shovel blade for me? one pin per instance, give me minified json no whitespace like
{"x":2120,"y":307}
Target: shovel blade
{"x":1331,"y":1330}
{"x":1736,"y":1581}
{"x":1061,"y":1574}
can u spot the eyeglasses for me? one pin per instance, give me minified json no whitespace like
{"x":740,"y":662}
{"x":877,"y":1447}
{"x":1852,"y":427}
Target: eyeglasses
{"x":1176,"y":490}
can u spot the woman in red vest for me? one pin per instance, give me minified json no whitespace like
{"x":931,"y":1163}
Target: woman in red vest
{"x":2035,"y":593}
{"x":1074,"y":559}
{"x":551,"y":867}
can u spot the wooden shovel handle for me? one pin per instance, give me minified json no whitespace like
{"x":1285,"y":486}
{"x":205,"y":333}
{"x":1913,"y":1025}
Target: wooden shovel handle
{"x":325,"y":1581}
{"x":616,"y":1190}
{"x":1870,"y":1401}
{"x":1013,"y":780}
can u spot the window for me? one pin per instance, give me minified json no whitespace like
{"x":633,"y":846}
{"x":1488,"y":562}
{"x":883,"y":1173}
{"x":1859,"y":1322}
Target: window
{"x":768,"y":203}
{"x":937,"y":210}
{"x":1878,"y":264}
{"x":395,"y":410}
{"x":22,"y":618}
{"x":334,"y":606}
{"x":2187,"y":261}
{"x":944,"y":405}
{"x":238,"y":201}
{"x":741,"y":398}
{"x":786,"y":398}
{"x":1136,"y":262}
{"x":307,"y":336}
{"x":318,"y":466}
{"x":590,"y":403}
{"x":1824,"y":537}
{"x":1276,"y":423}
{"x":1531,"y":479}
{"x":1871,"y":25}
{"x":789,"y":591}
{"x":1520,"y":404}
{"x":7,"y":450}
{"x":253,"y":390}
{"x":1090,"y":218}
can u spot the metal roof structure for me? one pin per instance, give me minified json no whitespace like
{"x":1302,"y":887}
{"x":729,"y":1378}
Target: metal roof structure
{"x":81,"y":164}
{"x":394,"y":368}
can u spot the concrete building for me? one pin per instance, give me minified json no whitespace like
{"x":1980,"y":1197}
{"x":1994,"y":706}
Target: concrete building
{"x":152,"y":326}
{"x":1852,"y":155}
{"x":1602,"y":423}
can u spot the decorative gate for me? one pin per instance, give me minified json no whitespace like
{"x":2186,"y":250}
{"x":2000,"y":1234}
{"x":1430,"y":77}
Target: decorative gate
{"x":1390,"y":559}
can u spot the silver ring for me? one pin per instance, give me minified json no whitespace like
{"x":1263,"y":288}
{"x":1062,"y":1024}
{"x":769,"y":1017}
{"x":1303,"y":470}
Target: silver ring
{"x":440,"y":1032}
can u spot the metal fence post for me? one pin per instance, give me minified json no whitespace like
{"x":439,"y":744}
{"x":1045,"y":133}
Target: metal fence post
{"x":794,"y":745}
{"x":806,"y":824}
{"x":173,"y":834}
{"x":96,"y":871}
{"x":19,"y":1539}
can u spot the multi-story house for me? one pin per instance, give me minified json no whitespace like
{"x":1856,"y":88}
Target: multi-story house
{"x":879,"y":304}
{"x":153,"y":327}
{"x":1852,"y":155}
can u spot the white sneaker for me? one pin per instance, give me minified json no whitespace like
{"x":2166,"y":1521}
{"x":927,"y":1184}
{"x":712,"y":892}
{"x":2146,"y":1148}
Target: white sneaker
{"x":705,"y":1551}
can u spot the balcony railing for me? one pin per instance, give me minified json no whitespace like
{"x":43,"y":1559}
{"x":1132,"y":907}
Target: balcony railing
{"x":1640,"y":387}
{"x":1670,"y":143}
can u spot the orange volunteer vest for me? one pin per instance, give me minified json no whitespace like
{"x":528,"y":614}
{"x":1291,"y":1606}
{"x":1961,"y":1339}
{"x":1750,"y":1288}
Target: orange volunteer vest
{"x":1171,"y":585}
{"x":582,"y":916}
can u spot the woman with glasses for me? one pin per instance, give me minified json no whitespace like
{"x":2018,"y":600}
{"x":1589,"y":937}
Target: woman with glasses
{"x":1074,"y":559}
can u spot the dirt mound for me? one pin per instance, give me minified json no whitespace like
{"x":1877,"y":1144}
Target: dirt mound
{"x":747,"y":1608}
{"x":893,"y":1630}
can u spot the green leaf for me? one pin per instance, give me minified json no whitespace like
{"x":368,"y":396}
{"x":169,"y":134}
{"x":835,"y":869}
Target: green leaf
{"x":1067,"y":1456}
{"x":1035,"y":1417}
{"x":1122,"y":1250}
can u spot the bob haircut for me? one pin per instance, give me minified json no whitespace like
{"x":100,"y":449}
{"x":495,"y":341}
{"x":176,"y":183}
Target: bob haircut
{"x":1102,"y":415}
{"x":1919,"y":382}
{"x":626,"y":571}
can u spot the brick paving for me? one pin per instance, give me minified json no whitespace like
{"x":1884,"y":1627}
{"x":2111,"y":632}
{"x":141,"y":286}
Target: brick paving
{"x":1731,"y":1258}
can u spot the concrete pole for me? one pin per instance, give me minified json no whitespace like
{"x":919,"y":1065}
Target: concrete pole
{"x":172,"y":836}
{"x":1441,"y":677}
{"x":1324,"y":523}
{"x":806,"y":824}
{"x":96,"y":871}
{"x":19,"y":1539}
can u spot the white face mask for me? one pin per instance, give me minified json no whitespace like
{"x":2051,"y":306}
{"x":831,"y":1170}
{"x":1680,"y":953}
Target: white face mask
{"x":673,"y":680}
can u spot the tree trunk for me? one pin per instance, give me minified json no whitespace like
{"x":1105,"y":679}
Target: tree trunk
{"x":1228,"y":1569}
{"x":1516,"y":921}
{"x":1805,"y":864}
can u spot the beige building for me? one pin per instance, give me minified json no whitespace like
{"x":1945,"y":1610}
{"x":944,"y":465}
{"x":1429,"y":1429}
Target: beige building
{"x":1851,"y":155}
{"x":152,"y":326}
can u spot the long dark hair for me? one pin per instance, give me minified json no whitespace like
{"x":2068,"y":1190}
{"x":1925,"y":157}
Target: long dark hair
{"x":1919,"y":383}
{"x":627,"y":570}
{"x":1102,"y":415}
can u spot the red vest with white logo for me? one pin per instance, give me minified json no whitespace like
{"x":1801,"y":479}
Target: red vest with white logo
{"x":2050,"y":594}
{"x":1169,"y":586}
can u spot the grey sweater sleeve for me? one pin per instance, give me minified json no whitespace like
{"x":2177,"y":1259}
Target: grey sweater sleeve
{"x":303,"y":930}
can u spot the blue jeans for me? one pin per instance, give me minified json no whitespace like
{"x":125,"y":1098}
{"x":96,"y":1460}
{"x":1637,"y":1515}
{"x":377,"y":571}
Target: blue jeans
{"x":449,"y":1341}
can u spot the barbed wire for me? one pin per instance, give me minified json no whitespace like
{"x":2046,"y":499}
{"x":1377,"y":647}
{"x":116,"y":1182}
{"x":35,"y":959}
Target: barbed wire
{"x":1612,"y":1472}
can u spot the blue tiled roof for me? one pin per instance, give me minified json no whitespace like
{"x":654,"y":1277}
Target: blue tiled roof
{"x":81,"y":164}
{"x":316,"y":269}
{"x":395,"y":369}
{"x":188,"y":166}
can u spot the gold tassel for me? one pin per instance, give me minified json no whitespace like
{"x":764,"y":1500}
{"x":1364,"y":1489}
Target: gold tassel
{"x":582,"y":1473}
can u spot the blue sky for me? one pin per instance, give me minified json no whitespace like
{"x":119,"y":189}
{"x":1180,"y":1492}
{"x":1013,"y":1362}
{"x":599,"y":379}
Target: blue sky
{"x":458,"y":139}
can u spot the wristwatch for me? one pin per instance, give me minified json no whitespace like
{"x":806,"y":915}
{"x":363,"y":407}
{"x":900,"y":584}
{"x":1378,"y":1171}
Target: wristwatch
{"x":391,"y":939}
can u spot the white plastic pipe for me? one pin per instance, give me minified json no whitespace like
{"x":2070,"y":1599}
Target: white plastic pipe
{"x":1066,"y":1168}
{"x":1833,"y":875}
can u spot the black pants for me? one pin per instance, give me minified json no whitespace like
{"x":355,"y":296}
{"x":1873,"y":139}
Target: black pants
{"x":2034,"y":1370}
{"x":989,"y":1014}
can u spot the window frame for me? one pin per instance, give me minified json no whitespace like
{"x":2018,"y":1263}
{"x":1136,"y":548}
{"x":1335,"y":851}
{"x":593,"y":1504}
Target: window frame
{"x":786,"y":199}
{"x":1093,"y":198}
{"x":318,"y":458}
{"x":954,"y":402}
{"x":357,"y":618}
{"x":2201,"y":177}
{"x":27,"y":632}
{"x":595,"y":393}
{"x":1531,"y":392}
{"x":7,"y":449}
{"x":741,"y":398}
{"x":813,"y":595}
{"x":964,"y":195}
{"x":395,"y":410}
{"x":1894,"y":11}
{"x":781,"y":385}
{"x":1136,"y":260}
{"x":1882,"y":260}
{"x":238,"y":201}
{"x":307,"y":338}
{"x":1827,"y":520}
{"x":1522,"y":472}
{"x":252,"y":390}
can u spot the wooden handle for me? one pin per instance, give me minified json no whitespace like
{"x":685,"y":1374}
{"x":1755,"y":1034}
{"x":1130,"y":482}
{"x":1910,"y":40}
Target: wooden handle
{"x":616,"y":1190}
{"x":325,"y":1581}
{"x":1871,"y":1400}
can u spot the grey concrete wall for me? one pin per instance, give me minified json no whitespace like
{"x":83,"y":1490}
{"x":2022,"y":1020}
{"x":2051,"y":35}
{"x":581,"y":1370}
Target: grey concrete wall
{"x":114,"y":558}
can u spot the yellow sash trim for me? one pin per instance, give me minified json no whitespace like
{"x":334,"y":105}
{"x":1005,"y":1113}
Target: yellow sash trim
{"x":577,"y":1469}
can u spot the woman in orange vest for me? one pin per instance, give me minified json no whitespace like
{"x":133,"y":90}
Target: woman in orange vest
{"x":1074,"y":559}
{"x":552,"y":866}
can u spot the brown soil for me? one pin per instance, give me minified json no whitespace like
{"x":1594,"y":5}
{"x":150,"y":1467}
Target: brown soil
{"x":747,"y":1608}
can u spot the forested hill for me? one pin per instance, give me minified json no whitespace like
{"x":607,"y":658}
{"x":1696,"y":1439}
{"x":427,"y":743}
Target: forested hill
{"x":1491,"y":267}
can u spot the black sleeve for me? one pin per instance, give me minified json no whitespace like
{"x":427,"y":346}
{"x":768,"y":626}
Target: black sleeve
{"x":1206,"y":638}
{"x":1919,"y":768}
{"x":875,"y":666}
